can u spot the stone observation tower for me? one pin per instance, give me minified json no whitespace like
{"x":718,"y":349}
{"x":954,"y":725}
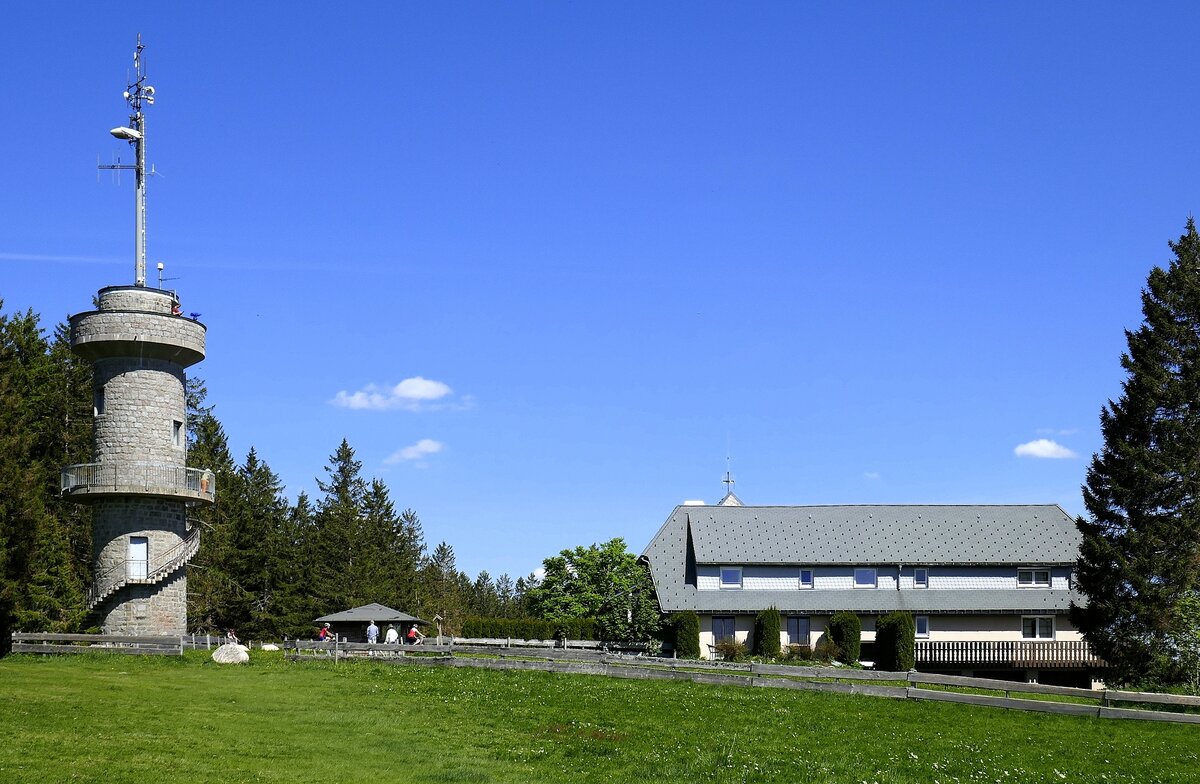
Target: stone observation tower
{"x":138,"y":485}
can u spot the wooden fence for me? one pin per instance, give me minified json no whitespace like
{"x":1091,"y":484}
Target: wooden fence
{"x":1102,"y":703}
{"x":38,"y":642}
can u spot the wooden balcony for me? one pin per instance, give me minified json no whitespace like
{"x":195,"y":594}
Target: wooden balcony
{"x":1028,"y":654}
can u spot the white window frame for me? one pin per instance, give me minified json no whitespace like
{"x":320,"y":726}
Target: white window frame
{"x":917,"y":626}
{"x":874,"y":577}
{"x":812,"y":578}
{"x":1033,"y":572}
{"x":730,"y":586}
{"x":1037,"y":627}
{"x":918,"y":572}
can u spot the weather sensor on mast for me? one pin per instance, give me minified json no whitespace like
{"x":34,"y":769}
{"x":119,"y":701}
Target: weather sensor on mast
{"x":137,"y":93}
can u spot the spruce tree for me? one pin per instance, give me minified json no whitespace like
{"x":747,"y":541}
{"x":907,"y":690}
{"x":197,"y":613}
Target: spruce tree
{"x":1140,"y":552}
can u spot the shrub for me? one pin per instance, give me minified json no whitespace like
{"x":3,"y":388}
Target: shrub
{"x":686,"y":626}
{"x":895,"y":642}
{"x":826,"y":650}
{"x":845,"y":630}
{"x":730,"y":650}
{"x":766,"y":633}
{"x":800,"y":653}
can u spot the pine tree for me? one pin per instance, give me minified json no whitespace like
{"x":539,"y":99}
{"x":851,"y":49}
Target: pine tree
{"x":337,"y":546}
{"x":210,"y":584}
{"x":1140,"y":553}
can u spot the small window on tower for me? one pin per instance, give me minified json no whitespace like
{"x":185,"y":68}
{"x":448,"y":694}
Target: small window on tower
{"x":98,"y":401}
{"x":177,"y":433}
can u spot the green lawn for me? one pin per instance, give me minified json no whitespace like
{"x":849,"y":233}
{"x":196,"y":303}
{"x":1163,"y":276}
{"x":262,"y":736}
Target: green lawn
{"x":133,"y":719}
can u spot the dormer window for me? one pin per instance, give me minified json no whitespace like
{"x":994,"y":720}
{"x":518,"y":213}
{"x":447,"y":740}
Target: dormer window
{"x":806,"y":578}
{"x":920,"y":577}
{"x":864,"y":577}
{"x":1033,"y":578}
{"x":731,"y":577}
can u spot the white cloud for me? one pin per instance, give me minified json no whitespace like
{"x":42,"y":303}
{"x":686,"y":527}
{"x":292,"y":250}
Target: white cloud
{"x":1043,"y":447}
{"x":416,"y":452}
{"x":411,"y":394}
{"x":872,"y":475}
{"x":1053,"y":431}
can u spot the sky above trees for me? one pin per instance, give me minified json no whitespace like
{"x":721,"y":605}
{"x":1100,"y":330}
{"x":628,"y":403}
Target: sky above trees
{"x":545,"y":266}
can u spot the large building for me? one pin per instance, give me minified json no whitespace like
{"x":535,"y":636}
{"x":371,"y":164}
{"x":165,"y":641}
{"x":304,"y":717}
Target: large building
{"x":989,"y":587}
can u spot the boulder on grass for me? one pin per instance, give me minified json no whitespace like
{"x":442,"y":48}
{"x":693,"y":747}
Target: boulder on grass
{"x":270,"y":646}
{"x":231,"y":653}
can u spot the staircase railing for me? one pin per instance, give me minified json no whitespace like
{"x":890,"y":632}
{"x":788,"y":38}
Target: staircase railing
{"x":117,"y":576}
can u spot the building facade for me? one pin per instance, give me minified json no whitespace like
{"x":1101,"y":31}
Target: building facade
{"x":988,"y":586}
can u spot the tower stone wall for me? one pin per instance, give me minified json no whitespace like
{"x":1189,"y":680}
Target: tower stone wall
{"x":139,"y":484}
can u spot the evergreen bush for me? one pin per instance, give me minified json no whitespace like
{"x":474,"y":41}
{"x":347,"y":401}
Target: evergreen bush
{"x":686,"y":626}
{"x":895,"y":642}
{"x":766,"y":633}
{"x":845,"y":631}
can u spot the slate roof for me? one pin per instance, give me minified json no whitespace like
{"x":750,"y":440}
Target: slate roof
{"x":369,"y":612}
{"x":927,"y":535}
{"x":883,"y":534}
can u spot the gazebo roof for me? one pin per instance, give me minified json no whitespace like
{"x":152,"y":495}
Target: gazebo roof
{"x":369,"y":612}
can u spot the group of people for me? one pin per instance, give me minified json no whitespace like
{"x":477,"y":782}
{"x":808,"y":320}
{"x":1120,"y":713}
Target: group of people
{"x":413,"y":636}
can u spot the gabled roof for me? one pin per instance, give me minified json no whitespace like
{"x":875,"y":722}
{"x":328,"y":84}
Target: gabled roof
{"x":369,"y":612}
{"x":925,"y":535}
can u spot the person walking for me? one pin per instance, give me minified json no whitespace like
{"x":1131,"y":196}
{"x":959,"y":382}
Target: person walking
{"x":372,"y":633}
{"x":392,"y":637}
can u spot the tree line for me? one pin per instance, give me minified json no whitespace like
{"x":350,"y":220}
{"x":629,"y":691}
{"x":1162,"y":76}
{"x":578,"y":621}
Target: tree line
{"x":267,"y":566}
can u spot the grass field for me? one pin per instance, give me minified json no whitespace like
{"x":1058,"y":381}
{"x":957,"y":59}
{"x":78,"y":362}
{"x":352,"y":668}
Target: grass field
{"x":99,"y":718}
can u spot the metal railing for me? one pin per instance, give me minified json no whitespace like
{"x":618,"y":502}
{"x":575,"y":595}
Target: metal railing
{"x":145,"y":477}
{"x":1008,"y":653}
{"x":119,"y":573}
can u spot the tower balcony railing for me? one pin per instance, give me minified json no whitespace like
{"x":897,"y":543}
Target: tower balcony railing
{"x":93,"y":481}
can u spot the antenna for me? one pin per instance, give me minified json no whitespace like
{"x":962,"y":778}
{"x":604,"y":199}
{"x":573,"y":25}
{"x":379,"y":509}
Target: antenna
{"x":136,"y":93}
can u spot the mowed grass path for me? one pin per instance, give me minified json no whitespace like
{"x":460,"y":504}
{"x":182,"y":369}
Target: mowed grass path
{"x":131,"y":719}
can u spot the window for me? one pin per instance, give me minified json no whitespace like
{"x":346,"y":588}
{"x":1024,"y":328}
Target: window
{"x":920,"y":577}
{"x":806,"y":578}
{"x":1037,"y":627}
{"x":98,"y":401}
{"x":1033,"y":578}
{"x":723,"y":628}
{"x":922,"y":624}
{"x":731,"y":577}
{"x":176,"y":433}
{"x":864,"y":577}
{"x":797,"y":630}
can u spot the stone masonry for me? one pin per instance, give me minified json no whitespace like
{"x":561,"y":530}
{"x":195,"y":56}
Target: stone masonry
{"x":140,"y":532}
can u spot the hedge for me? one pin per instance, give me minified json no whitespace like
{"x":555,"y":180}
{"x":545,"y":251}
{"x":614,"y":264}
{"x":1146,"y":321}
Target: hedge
{"x":895,"y":642}
{"x":766,"y":633}
{"x":845,"y":631}
{"x":530,"y":628}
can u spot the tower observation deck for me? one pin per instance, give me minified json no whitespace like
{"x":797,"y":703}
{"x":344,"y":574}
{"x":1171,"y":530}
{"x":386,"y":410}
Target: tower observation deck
{"x":138,"y":484}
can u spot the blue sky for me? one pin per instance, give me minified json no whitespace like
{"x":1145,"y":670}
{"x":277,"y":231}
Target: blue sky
{"x":546,"y":265}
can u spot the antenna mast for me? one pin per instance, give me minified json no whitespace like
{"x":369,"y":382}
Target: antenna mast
{"x":136,"y":93}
